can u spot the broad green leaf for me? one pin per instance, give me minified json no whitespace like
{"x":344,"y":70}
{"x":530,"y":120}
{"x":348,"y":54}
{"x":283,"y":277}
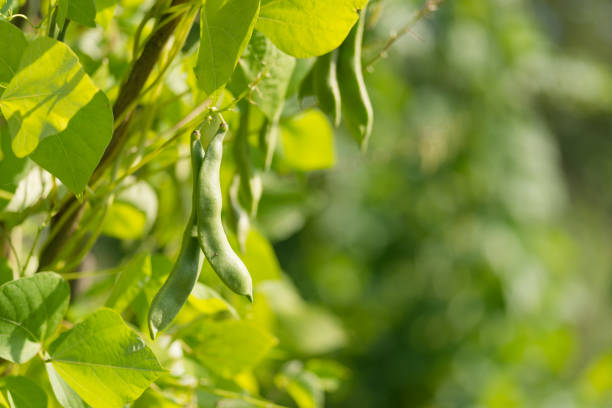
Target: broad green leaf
{"x":228,"y":347}
{"x":308,"y":141}
{"x":308,"y":28}
{"x":104,"y":361}
{"x":10,"y":55}
{"x":73,"y":154}
{"x":303,"y":386}
{"x":47,"y":91}
{"x":6,"y":273}
{"x":270,"y":68}
{"x":12,"y":168}
{"x":132,"y":279}
{"x":30,"y":311}
{"x":21,"y":392}
{"x":225,"y":29}
{"x":63,"y":392}
{"x":80,"y":11}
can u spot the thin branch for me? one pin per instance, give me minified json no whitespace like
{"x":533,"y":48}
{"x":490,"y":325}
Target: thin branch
{"x":428,"y":8}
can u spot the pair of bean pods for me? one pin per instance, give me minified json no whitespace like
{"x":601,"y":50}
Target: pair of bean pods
{"x":204,"y":231}
{"x":336,"y":80}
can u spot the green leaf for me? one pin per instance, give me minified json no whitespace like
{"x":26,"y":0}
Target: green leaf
{"x":308,"y":141}
{"x":132,"y":279}
{"x":63,"y":392}
{"x":12,"y":168}
{"x":271,"y":67}
{"x":11,"y":55}
{"x":21,"y":392}
{"x":47,"y":91}
{"x":73,"y":154}
{"x":225,"y":29}
{"x":30,"y":311}
{"x":228,"y":347}
{"x":308,"y":28}
{"x":80,"y":11}
{"x":104,"y":361}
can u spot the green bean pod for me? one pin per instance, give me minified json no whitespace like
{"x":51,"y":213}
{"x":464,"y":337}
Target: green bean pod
{"x":326,"y":86}
{"x":224,"y":261}
{"x":176,"y":289}
{"x":356,"y":105}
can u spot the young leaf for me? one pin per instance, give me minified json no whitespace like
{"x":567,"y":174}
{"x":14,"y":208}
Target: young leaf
{"x":47,"y":91}
{"x":73,"y":154}
{"x":308,"y":28}
{"x":30,"y":311}
{"x":226,"y":27}
{"x":21,"y":392}
{"x":104,"y":361}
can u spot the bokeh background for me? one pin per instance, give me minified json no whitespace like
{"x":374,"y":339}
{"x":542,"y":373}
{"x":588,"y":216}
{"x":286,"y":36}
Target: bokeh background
{"x":468,"y":252}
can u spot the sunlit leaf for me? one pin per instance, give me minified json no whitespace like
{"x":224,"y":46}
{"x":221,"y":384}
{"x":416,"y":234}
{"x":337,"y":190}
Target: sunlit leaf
{"x":47,"y":91}
{"x":308,"y":28}
{"x":104,"y":361}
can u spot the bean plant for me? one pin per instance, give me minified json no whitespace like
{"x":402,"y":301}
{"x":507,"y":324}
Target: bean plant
{"x":137,"y":142}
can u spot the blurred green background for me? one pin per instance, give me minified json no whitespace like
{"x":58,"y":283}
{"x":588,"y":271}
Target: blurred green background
{"x":467,"y":253}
